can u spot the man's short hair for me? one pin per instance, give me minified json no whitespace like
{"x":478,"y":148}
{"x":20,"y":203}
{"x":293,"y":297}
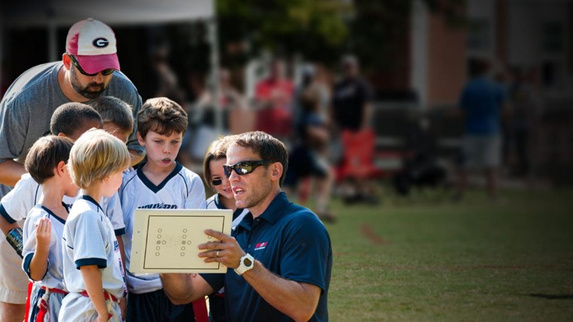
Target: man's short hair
{"x":96,"y":155}
{"x":45,"y":155}
{"x":114,"y":110}
{"x":69,"y":117}
{"x":266,"y":146}
{"x":161,"y":115}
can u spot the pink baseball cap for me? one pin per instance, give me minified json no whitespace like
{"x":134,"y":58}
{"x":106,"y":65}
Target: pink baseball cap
{"x":93,"y":45}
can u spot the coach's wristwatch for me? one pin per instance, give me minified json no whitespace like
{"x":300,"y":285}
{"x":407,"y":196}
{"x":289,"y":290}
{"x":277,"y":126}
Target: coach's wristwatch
{"x":246,"y":263}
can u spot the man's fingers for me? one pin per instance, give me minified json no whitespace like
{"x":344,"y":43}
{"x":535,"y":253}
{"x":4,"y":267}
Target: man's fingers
{"x":217,"y":240}
{"x":218,"y":235}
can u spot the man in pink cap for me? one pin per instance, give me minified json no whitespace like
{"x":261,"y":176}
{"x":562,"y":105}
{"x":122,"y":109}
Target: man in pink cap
{"x":89,"y":68}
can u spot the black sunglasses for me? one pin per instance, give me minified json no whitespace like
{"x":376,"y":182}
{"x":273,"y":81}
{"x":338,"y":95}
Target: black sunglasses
{"x":105,"y":72}
{"x":243,"y":167}
{"x":216,"y":182}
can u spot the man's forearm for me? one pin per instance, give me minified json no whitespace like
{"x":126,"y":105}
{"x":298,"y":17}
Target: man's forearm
{"x":297,"y":300}
{"x":10,"y":172}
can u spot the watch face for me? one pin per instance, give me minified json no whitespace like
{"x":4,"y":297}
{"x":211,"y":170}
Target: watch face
{"x":247,"y":262}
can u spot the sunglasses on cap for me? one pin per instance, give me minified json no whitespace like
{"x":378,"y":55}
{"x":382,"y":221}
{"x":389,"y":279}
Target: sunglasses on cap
{"x":243,"y":167}
{"x":105,"y":72}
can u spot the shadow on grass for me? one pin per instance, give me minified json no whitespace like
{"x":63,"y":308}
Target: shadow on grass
{"x":553,"y":296}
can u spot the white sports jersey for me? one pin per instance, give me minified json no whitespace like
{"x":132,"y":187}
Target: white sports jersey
{"x":54,"y":277}
{"x":16,"y":205}
{"x":89,"y":239}
{"x":238,"y":215}
{"x":182,"y":189}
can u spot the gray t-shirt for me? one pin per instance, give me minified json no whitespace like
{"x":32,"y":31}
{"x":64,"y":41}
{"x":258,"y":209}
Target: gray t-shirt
{"x":28,"y":105}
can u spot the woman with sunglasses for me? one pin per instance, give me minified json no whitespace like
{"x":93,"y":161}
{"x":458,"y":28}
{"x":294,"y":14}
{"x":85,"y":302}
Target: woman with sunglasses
{"x":223,"y":198}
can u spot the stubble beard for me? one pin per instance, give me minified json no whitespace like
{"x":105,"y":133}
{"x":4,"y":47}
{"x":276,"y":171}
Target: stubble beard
{"x":84,"y":91}
{"x":258,"y":194}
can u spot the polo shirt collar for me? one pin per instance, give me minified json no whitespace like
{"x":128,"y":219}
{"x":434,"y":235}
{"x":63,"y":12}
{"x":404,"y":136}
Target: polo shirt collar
{"x":220,"y":205}
{"x":276,"y":209}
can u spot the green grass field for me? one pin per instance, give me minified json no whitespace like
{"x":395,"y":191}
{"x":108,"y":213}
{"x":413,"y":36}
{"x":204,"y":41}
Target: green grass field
{"x":474,"y":260}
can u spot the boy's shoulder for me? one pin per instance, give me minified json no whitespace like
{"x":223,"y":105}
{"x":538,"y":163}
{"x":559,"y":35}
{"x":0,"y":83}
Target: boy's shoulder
{"x":35,"y":213}
{"x":188,"y":172}
{"x":82,"y":206}
{"x":129,"y":173}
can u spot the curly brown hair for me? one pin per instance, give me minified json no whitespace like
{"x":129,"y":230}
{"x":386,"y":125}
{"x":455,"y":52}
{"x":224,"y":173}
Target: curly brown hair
{"x":161,"y":115}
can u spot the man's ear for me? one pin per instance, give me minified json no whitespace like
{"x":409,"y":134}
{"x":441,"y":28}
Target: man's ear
{"x":66,"y":60}
{"x":276,"y":171}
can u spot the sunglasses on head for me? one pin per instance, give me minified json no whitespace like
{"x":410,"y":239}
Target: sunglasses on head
{"x":243,"y":167}
{"x":105,"y":72}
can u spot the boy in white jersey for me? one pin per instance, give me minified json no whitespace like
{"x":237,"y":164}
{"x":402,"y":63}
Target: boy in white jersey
{"x":93,"y":271}
{"x":46,"y":163}
{"x":71,"y":120}
{"x":160,"y":182}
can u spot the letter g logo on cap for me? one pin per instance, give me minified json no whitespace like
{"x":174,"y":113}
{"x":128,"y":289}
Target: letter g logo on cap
{"x":100,"y":42}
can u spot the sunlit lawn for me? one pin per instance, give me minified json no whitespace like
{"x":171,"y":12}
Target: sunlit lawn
{"x":437,"y":260}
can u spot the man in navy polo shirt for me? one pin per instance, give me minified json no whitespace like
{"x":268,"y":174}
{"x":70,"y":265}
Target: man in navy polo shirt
{"x":279,"y":257}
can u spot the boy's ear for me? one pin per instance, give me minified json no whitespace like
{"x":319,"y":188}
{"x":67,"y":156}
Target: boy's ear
{"x":140,"y":139}
{"x":60,"y":168}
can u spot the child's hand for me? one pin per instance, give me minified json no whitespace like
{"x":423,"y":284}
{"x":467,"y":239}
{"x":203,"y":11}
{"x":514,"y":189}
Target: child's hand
{"x":43,"y":231}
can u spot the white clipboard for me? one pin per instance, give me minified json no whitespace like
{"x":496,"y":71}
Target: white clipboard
{"x":166,"y":240}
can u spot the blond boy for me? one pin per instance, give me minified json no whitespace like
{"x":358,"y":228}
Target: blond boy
{"x":93,"y":270}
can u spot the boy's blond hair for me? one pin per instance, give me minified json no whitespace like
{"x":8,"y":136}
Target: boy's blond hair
{"x":161,"y":115}
{"x":95,"y":156}
{"x":113,"y":110}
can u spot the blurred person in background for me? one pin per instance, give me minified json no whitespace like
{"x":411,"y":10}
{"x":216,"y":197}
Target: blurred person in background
{"x":235,"y":117}
{"x":351,"y":114}
{"x":308,"y":158}
{"x":273,"y":99}
{"x":167,"y":81}
{"x":351,"y":98}
{"x":238,"y":118}
{"x":482,"y":103}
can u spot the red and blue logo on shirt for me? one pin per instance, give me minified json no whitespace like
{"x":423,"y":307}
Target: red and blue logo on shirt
{"x":260,"y":246}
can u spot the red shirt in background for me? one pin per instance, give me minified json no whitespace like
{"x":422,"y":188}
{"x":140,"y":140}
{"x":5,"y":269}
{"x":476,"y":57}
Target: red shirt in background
{"x":274,"y":115}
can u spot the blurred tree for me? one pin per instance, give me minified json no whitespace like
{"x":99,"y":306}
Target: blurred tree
{"x":380,"y":30}
{"x":323,"y":29}
{"x":314,"y":28}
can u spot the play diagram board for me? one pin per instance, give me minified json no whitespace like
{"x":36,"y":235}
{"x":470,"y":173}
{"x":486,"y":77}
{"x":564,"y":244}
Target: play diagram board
{"x":166,"y":240}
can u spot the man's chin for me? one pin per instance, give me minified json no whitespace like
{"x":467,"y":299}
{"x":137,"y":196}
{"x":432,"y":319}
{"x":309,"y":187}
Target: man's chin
{"x":91,"y":94}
